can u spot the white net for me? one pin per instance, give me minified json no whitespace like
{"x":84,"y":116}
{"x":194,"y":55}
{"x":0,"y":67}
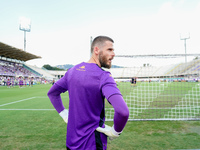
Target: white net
{"x":170,"y":92}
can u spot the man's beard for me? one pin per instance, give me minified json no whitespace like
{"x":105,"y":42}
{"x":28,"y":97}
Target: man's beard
{"x":103,"y":60}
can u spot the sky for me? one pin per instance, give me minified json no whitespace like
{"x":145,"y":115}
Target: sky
{"x":61,"y":29}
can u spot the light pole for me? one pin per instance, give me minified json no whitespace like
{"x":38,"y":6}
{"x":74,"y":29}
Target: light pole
{"x":185,"y":38}
{"x":91,"y":39}
{"x":25,"y":25}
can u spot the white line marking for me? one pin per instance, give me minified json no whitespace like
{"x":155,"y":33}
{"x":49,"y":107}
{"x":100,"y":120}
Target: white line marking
{"x":29,"y":109}
{"x":17,"y":101}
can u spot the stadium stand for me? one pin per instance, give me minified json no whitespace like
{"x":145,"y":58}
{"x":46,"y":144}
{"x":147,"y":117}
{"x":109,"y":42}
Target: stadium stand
{"x":191,"y":68}
{"x":57,"y":74}
{"x":43,"y":72}
{"x":13,"y":69}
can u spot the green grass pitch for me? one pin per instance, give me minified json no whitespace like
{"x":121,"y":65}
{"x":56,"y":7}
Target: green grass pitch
{"x":28,"y":121}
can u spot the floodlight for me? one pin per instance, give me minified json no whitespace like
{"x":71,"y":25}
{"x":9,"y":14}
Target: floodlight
{"x":185,"y":36}
{"x":25,"y":24}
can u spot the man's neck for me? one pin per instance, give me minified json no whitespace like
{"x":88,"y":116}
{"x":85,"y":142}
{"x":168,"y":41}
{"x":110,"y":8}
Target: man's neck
{"x":94,"y":60}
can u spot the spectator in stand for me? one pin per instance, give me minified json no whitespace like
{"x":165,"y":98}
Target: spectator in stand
{"x":16,"y":81}
{"x":4,"y":82}
{"x":20,"y":82}
{"x":132,"y":81}
{"x":8,"y":83}
{"x":0,"y":81}
{"x":29,"y":83}
{"x":53,"y":82}
{"x":12,"y":82}
{"x":24,"y":82}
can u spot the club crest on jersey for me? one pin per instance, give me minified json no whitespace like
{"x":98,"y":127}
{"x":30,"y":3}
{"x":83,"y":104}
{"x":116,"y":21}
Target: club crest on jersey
{"x":82,"y":68}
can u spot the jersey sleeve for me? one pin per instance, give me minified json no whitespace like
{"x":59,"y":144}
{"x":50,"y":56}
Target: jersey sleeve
{"x":108,"y":85}
{"x":55,"y":98}
{"x":121,"y":112}
{"x":54,"y":93}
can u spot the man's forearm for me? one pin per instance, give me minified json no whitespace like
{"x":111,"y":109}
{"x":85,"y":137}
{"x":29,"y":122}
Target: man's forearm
{"x":121,"y":112}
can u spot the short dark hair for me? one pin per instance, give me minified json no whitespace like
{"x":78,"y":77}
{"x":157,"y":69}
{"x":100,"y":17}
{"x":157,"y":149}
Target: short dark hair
{"x":99,"y":40}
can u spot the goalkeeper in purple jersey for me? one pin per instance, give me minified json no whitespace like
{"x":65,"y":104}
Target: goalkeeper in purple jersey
{"x":88,"y":85}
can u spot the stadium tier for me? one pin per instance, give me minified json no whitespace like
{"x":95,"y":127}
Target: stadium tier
{"x":45,"y":73}
{"x":191,"y":68}
{"x":13,"y":67}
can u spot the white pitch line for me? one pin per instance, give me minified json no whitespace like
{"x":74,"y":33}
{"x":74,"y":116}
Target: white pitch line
{"x":17,"y":101}
{"x":29,"y":109}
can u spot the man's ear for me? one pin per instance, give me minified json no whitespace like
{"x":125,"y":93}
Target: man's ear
{"x":96,"y":50}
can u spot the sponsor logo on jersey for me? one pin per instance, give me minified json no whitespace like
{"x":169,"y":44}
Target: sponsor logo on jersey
{"x":82,"y":68}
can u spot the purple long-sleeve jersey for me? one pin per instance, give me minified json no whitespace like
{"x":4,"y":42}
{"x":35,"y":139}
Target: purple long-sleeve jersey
{"x":88,"y":85}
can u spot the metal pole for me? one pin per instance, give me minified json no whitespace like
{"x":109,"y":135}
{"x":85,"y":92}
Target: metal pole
{"x":91,"y":39}
{"x":24,"y":40}
{"x":185,"y":47}
{"x":185,"y":52}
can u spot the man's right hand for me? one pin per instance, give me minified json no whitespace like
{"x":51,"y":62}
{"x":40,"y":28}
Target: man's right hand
{"x":64,"y":115}
{"x":109,"y":131}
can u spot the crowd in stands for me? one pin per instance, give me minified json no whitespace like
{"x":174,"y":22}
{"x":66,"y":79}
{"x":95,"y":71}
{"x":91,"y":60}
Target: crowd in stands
{"x":14,"y":69}
{"x":21,"y":81}
{"x":14,"y":74}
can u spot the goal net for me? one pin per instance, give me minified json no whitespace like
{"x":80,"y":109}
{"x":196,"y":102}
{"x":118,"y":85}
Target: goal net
{"x":166,"y":92}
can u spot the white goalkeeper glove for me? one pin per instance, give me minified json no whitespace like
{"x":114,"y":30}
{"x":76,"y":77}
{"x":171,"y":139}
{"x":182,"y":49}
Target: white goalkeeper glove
{"x":64,"y":115}
{"x":109,"y":131}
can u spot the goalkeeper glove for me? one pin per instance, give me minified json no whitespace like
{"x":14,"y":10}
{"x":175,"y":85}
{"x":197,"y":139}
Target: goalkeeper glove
{"x":64,"y":115}
{"x":109,"y":131}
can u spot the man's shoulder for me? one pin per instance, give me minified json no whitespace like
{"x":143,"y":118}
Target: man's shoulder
{"x":88,"y":67}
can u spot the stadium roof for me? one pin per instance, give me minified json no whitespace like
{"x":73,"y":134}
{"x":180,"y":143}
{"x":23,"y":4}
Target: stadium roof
{"x":15,"y":53}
